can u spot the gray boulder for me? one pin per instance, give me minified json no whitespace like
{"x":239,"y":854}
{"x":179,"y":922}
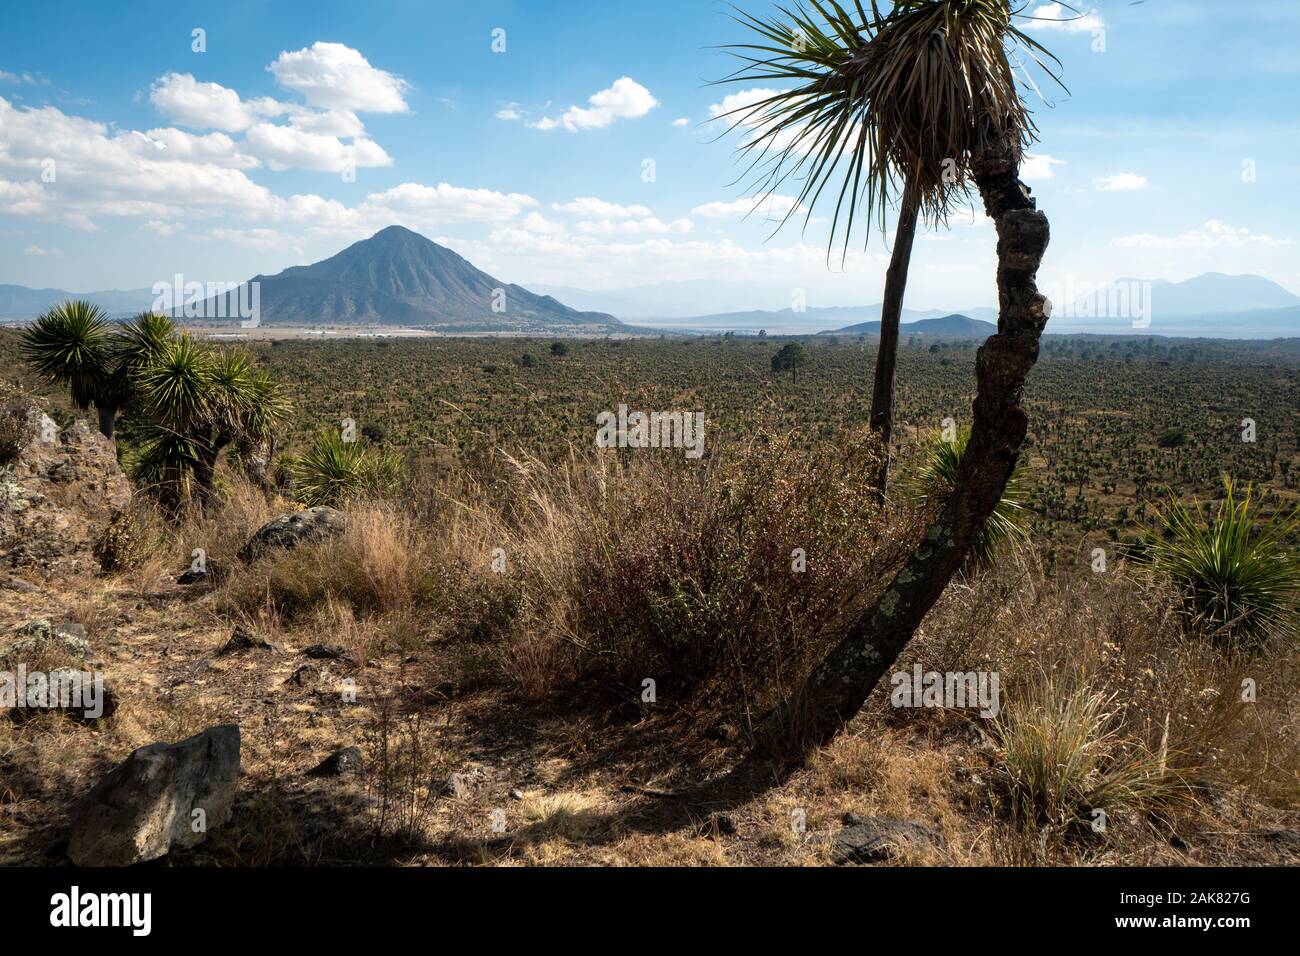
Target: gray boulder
{"x":292,"y":529}
{"x":879,"y":839}
{"x":37,"y":637}
{"x":147,"y":804}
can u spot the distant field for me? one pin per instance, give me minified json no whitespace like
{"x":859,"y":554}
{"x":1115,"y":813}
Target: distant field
{"x":1101,"y":408}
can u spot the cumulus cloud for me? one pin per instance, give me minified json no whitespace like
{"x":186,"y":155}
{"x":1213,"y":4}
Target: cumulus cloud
{"x":445,"y":203}
{"x":733,"y":105}
{"x":174,"y":144}
{"x":284,"y":147}
{"x":189,"y":102}
{"x":650,"y":226}
{"x":42,"y":251}
{"x":774,"y":206}
{"x":1055,"y":16}
{"x":1038,"y":167}
{"x":1120,"y":182}
{"x":160,"y":228}
{"x":681,"y":121}
{"x":166,"y":175}
{"x":592,"y":208}
{"x":625,"y":99}
{"x":1211,"y":235}
{"x":336,"y":81}
{"x":337,"y":77}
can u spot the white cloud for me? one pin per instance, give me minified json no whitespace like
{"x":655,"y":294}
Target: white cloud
{"x":263,"y":240}
{"x":337,"y":77}
{"x":650,"y":226}
{"x":590,"y":207}
{"x":626,"y":99}
{"x":736,"y":103}
{"x":510,"y":113}
{"x":769,"y":207}
{"x":444,"y":203}
{"x":185,"y":100}
{"x":681,"y":121}
{"x":1212,"y":235}
{"x":160,"y":228}
{"x":6,"y":77}
{"x":284,"y":147}
{"x":42,"y":251}
{"x":327,"y":123}
{"x":1054,"y":16}
{"x":1038,"y":167}
{"x":174,"y":144}
{"x":1120,"y":182}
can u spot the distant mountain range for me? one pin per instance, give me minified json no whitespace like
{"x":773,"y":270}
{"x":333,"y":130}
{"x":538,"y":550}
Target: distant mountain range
{"x":398,"y":277}
{"x":950,"y":326}
{"x":20,"y":302}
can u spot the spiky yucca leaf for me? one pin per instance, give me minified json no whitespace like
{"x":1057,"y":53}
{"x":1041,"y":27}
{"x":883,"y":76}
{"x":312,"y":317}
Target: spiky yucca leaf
{"x":268,"y":407}
{"x":165,"y":463}
{"x":333,"y":470}
{"x":914,"y":94}
{"x":70,"y":345}
{"x":936,"y":476}
{"x":177,"y":385}
{"x":1237,"y":570}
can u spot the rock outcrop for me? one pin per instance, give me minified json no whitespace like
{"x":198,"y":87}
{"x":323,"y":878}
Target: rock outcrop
{"x":58,"y":496}
{"x":161,"y":797}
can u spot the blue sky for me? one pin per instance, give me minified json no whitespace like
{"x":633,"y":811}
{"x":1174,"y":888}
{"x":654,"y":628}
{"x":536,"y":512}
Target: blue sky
{"x":304,"y":127}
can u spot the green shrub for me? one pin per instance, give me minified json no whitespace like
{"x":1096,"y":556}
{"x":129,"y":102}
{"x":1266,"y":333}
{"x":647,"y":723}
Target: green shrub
{"x":933,"y":481}
{"x":1237,"y":572}
{"x":334,"y":471}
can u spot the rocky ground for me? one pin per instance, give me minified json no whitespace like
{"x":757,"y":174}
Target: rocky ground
{"x":350,"y":754}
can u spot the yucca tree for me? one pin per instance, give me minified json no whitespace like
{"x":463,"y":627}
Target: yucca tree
{"x":198,"y":403}
{"x":873,"y":102}
{"x":70,"y":345}
{"x":192,"y":401}
{"x":925,"y":91}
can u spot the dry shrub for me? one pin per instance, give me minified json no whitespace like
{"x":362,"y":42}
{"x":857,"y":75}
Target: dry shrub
{"x":373,"y":567}
{"x":723,"y":579}
{"x":1122,"y":639}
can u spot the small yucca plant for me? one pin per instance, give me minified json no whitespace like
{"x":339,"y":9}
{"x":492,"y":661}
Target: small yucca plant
{"x":936,"y":476}
{"x":1238,"y":570}
{"x":333,"y":471}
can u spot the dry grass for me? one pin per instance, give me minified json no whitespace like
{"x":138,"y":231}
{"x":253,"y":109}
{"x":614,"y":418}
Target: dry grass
{"x":621,"y":570}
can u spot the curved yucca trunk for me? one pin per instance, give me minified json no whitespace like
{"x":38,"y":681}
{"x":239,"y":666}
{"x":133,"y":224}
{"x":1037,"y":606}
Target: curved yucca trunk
{"x":837,"y":688}
{"x":891,"y":312}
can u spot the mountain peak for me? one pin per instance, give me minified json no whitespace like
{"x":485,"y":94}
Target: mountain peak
{"x":399,"y":277}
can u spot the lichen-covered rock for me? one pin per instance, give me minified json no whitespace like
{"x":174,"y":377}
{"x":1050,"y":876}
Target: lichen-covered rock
{"x":162,"y":796}
{"x":58,"y":496}
{"x":292,"y":529}
{"x":40,"y":636}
